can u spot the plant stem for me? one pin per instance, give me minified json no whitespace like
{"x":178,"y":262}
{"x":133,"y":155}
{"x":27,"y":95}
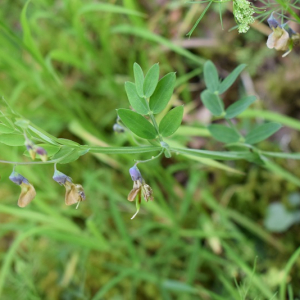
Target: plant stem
{"x":155,"y":126}
{"x":153,"y":119}
{"x":153,"y":157}
{"x":233,"y":127}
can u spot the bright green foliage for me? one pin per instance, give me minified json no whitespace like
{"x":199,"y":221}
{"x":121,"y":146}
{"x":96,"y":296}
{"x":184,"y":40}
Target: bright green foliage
{"x":151,"y":80}
{"x":137,"y":124}
{"x":171,"y":121}
{"x":212,"y":102}
{"x":163,"y":93}
{"x":211,"y":76}
{"x":223,"y":134}
{"x":6,"y":129}
{"x":199,"y":234}
{"x":262,"y":132}
{"x":12,"y":139}
{"x":239,"y":106}
{"x":67,"y":155}
{"x":138,"y":104}
{"x":139,"y":79}
{"x":230,"y":79}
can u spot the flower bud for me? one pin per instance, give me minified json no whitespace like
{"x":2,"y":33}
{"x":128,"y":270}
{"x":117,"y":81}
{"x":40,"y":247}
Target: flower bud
{"x":30,"y":148}
{"x":61,"y":178}
{"x":18,"y":178}
{"x":135,"y":174}
{"x":273,"y":22}
{"x":42,"y":153}
{"x":118,"y":128}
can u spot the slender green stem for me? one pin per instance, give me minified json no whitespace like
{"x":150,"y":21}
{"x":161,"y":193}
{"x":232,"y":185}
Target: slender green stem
{"x":153,"y":119}
{"x":155,"y":126}
{"x":153,"y":157}
{"x":233,"y":127}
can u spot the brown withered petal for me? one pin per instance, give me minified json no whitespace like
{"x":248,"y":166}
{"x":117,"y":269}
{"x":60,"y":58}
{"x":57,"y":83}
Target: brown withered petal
{"x":27,"y":194}
{"x":133,"y":193}
{"x":74,"y":193}
{"x":147,"y":192}
{"x":278,"y":39}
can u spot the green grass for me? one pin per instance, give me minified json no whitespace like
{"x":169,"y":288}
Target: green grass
{"x":199,"y":239}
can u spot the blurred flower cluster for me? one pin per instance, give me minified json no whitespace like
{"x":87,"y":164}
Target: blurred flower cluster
{"x":243,"y":14}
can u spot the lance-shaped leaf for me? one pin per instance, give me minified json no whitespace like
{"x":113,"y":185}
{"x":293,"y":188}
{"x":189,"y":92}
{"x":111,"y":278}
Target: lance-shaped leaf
{"x":212,"y":102}
{"x":137,"y":124}
{"x":262,"y":132}
{"x":230,"y":79}
{"x":139,"y":79}
{"x":138,"y":104}
{"x":223,"y":134}
{"x":12,"y":139}
{"x":239,"y":106}
{"x":211,"y":76}
{"x":151,"y":80}
{"x":171,"y":121}
{"x":163,"y":93}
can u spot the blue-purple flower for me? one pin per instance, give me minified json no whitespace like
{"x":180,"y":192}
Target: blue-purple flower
{"x":74,"y":192}
{"x":27,"y":190}
{"x":139,"y":187}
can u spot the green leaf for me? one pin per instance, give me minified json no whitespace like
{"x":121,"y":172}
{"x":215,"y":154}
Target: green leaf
{"x":22,"y":123}
{"x":230,"y":79}
{"x":262,"y":132}
{"x":139,"y":79}
{"x":171,"y":121}
{"x":137,"y":124}
{"x":67,"y":142}
{"x":66,"y":155}
{"x":151,"y":80}
{"x":219,"y":155}
{"x":163,"y":93}
{"x":12,"y":139}
{"x":138,"y":103}
{"x":239,"y":106}
{"x":279,"y":219}
{"x":43,"y":134}
{"x":212,"y":102}
{"x":5,"y":129}
{"x":211,"y":76}
{"x":223,"y":134}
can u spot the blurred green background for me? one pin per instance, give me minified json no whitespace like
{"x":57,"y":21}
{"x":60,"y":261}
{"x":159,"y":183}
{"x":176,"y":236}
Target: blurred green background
{"x":63,"y":65}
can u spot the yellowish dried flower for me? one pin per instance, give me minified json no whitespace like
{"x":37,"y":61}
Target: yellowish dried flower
{"x":28,"y":193}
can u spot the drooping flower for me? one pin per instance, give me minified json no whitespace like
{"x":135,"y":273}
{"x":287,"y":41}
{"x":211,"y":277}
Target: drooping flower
{"x":283,"y":38}
{"x":74,"y":192}
{"x":27,"y":190}
{"x":139,"y":187}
